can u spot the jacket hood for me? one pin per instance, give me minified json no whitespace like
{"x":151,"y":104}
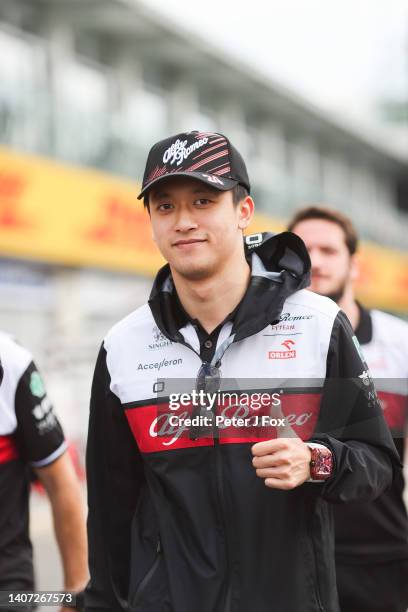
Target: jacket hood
{"x":280,"y":265}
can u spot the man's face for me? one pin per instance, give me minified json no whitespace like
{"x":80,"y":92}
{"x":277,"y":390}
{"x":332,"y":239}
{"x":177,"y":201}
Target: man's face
{"x":197,"y":228}
{"x":332,"y":264}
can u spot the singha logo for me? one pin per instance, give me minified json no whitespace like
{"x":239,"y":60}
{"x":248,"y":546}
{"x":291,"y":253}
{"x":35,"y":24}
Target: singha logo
{"x":158,"y":335}
{"x":159,"y":339}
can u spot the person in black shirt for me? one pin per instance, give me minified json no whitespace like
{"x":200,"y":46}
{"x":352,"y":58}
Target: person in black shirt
{"x":371,"y":538}
{"x":32,"y":440}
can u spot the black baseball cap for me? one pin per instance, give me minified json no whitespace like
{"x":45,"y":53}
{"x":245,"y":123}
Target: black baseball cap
{"x":206,"y":156}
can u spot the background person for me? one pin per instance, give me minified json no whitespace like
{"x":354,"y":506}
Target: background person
{"x":31,"y":439}
{"x":371,"y":538}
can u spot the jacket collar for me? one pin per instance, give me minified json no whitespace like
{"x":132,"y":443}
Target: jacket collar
{"x":364,"y":329}
{"x":280,"y":265}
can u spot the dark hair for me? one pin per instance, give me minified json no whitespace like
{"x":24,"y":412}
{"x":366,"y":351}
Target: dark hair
{"x":328,"y":214}
{"x":238,"y":193}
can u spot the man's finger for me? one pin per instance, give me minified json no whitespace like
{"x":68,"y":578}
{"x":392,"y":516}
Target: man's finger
{"x":280,"y":471}
{"x":267,"y":447}
{"x":281,"y":457}
{"x":277,"y":483}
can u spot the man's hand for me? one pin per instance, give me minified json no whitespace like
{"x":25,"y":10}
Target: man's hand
{"x":284,"y":463}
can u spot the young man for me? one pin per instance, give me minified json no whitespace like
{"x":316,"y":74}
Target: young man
{"x":371,"y":538}
{"x":31,"y":440}
{"x":225,"y":516}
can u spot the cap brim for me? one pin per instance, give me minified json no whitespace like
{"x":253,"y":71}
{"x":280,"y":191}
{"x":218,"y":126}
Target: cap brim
{"x":213,"y":180}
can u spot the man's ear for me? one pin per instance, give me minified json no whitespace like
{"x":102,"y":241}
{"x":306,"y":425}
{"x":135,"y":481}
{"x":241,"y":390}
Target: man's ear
{"x":246,"y":212}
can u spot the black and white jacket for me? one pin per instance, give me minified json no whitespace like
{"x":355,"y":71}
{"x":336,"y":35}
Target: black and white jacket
{"x":377,"y":532}
{"x":180,"y":524}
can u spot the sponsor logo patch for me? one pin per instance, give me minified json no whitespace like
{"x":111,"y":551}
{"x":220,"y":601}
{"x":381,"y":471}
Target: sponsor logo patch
{"x":282,"y":327}
{"x":158,"y":365}
{"x":178,"y":151}
{"x":253,"y":240}
{"x":366,"y":378}
{"x":159,"y":340}
{"x":36,"y":385}
{"x":158,"y":428}
{"x":213,"y":179}
{"x":288,"y":353}
{"x":45,"y":419}
{"x":286,"y":316}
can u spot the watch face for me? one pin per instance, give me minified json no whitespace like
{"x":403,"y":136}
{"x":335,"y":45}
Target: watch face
{"x":321,"y":464}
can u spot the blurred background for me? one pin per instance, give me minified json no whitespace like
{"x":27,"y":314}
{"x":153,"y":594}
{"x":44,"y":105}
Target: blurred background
{"x":314,"y":95}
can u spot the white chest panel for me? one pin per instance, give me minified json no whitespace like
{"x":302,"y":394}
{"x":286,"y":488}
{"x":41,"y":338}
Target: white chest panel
{"x":138,"y":355}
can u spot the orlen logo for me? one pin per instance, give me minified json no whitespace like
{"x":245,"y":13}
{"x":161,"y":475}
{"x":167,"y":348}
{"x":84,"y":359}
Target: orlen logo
{"x":289,"y":353}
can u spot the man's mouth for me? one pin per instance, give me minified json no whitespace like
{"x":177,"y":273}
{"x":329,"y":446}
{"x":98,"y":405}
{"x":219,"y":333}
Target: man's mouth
{"x":190,"y":241}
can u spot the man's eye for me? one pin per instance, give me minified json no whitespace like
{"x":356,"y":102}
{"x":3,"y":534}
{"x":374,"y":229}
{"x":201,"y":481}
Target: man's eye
{"x":166,"y":206}
{"x":202,"y":201}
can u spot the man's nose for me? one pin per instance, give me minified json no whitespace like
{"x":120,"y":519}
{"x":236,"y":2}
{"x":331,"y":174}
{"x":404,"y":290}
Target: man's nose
{"x":185,"y":220}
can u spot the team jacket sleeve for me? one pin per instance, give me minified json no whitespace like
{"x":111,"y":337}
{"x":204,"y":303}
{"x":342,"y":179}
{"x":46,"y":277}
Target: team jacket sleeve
{"x":39,"y":433}
{"x":352,"y":424}
{"x":115,"y":477}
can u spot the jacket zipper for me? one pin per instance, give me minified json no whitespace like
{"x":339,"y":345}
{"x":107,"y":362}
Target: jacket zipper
{"x":220,"y":490}
{"x":317,"y":582}
{"x":221,"y":496}
{"x":148,"y":576}
{"x":317,"y":588}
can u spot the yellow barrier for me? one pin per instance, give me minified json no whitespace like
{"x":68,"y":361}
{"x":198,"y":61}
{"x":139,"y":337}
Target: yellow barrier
{"x":79,"y":217}
{"x":72,"y":216}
